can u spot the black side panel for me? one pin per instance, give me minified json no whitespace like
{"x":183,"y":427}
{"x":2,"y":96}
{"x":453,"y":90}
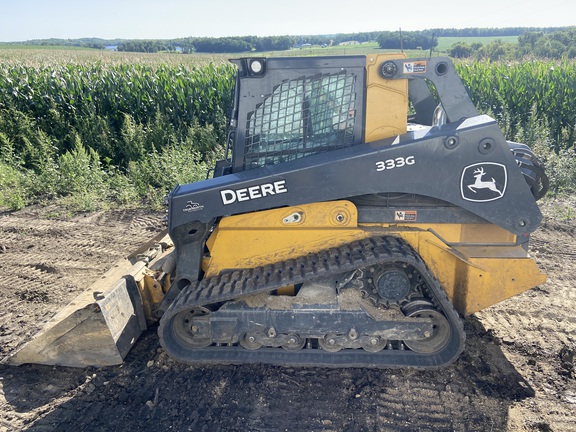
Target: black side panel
{"x":468,"y":164}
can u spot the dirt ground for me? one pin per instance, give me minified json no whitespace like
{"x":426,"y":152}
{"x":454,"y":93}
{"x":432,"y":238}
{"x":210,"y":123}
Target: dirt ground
{"x":516,"y":374}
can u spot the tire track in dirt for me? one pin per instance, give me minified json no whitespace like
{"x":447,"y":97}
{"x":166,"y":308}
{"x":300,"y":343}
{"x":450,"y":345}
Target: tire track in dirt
{"x":535,"y":327}
{"x":45,"y":263}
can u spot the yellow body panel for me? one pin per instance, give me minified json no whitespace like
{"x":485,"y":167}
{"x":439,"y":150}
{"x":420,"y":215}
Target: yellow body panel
{"x":483,"y":267}
{"x":475,"y":281}
{"x":256,"y":239}
{"x":384,"y":120}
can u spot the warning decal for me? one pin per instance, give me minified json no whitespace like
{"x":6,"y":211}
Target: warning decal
{"x":405,"y":215}
{"x":414,"y":67}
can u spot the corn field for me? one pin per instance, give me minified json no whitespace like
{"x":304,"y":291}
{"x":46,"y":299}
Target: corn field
{"x":520,"y":93}
{"x":97,"y":102}
{"x":100,"y":128}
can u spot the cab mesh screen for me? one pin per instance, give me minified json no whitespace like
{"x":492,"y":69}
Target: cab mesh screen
{"x":301,"y":117}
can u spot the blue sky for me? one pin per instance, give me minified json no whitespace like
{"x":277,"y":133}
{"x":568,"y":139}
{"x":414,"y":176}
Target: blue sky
{"x":154,"y":19}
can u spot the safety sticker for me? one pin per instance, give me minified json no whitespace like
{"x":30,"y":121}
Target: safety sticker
{"x":415,"y":67}
{"x":405,"y":215}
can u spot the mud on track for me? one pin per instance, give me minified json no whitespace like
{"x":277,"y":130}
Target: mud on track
{"x":516,"y":374}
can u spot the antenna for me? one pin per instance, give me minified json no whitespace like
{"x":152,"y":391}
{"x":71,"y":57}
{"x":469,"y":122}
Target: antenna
{"x":432,"y":44}
{"x":401,"y":41}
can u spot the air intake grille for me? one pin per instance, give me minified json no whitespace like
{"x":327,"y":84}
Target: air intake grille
{"x":301,"y":117}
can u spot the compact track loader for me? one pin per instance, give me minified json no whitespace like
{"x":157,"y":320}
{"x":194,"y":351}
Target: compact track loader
{"x":363,"y":207}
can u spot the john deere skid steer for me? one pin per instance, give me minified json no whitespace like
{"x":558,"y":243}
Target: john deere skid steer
{"x":363,"y":207}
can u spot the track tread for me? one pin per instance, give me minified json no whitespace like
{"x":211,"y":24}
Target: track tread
{"x":362,"y":253}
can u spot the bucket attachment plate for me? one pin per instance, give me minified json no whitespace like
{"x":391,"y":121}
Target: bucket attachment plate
{"x":99,"y":334}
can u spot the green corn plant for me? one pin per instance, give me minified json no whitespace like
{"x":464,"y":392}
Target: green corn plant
{"x":520,"y":90}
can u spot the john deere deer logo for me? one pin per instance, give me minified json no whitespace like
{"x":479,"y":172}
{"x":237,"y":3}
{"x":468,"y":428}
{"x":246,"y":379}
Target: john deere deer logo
{"x":483,"y":182}
{"x":480,"y":184}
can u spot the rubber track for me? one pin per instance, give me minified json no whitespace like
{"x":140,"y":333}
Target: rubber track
{"x":359,"y":254}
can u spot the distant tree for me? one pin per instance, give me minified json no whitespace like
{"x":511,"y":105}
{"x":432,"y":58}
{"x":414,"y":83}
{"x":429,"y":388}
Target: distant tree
{"x":222,"y":45}
{"x":146,"y":46}
{"x":485,"y":32}
{"x":408,"y":40}
{"x":460,"y":50}
{"x":550,"y":48}
{"x":529,"y":39}
{"x":553,"y":45}
{"x":274,"y":43}
{"x":527,"y":43}
{"x":496,"y":50}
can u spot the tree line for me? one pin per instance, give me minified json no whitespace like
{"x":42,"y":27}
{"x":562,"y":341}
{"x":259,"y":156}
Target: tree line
{"x":96,"y":43}
{"x":407,"y":40}
{"x":551,"y":42}
{"x":386,"y":40}
{"x":555,"y":45}
{"x":491,"y":32}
